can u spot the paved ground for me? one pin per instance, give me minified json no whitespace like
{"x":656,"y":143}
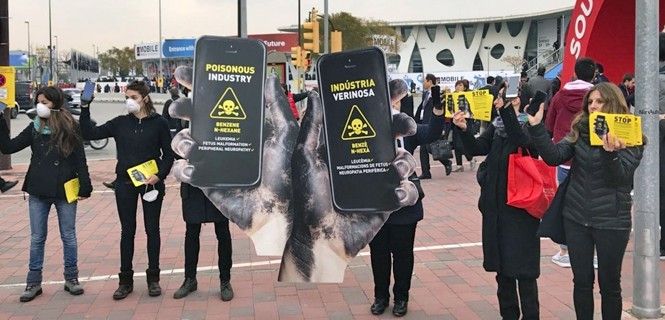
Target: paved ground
{"x":448,"y":282}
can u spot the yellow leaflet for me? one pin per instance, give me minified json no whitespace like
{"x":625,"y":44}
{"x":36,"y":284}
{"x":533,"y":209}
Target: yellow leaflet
{"x":475,"y":104}
{"x":626,"y":127}
{"x":72,"y":190}
{"x":140,"y":174}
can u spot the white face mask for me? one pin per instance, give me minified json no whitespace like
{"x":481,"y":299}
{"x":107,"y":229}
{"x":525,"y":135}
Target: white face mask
{"x":132,"y":106}
{"x":151,"y":195}
{"x":43,"y":111}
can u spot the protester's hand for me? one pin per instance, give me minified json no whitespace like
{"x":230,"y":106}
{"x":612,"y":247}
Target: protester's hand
{"x":152,"y":180}
{"x":323,"y":240}
{"x":262,"y":211}
{"x":538,"y":118}
{"x":612,"y":143}
{"x":459,"y":120}
{"x":86,"y":103}
{"x":499,"y":102}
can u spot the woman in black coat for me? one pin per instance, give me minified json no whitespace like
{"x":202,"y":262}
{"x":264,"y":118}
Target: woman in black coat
{"x":57,"y":157}
{"x":511,"y":247}
{"x":196,"y":210}
{"x":397,"y":235}
{"x":597,"y":203}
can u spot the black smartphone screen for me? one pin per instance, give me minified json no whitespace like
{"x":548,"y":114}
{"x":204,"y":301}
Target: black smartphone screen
{"x":358,"y":130}
{"x":227,"y":122}
{"x":600,"y":126}
{"x":534,"y":105}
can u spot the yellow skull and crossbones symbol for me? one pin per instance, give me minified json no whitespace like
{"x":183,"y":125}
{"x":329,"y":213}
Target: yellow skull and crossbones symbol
{"x":357,"y":127}
{"x":228,"y":108}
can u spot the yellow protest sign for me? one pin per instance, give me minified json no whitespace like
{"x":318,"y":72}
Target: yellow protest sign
{"x":8,"y":86}
{"x":72,"y":190}
{"x":475,"y":104}
{"x":626,"y":127}
{"x":140,"y":174}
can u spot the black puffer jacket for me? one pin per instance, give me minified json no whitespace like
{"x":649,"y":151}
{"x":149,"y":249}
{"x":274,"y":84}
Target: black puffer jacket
{"x":48,"y":170}
{"x":598,"y":194}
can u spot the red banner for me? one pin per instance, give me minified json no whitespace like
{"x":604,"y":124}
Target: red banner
{"x":603,"y":30}
{"x":280,"y":42}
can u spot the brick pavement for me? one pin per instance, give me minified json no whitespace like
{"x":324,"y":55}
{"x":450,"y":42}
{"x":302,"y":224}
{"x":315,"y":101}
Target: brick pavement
{"x":448,"y":282}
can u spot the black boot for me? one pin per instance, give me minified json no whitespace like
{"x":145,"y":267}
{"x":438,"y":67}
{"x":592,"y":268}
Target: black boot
{"x":152,"y":276}
{"x":226,"y":290}
{"x":6,"y":185}
{"x":379,"y":306}
{"x":126,"y":285}
{"x":400,"y":308}
{"x":190,"y":285}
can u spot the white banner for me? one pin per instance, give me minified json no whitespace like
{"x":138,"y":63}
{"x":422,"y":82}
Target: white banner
{"x":477,"y":79}
{"x":546,"y":37}
{"x":146,"y":51}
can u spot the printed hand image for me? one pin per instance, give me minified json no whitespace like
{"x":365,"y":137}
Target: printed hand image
{"x":263,"y":211}
{"x":600,"y":126}
{"x":293,"y":200}
{"x":138,"y":175}
{"x":464,"y":106}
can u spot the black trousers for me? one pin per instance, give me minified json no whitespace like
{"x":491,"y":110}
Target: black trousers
{"x":610,"y":246}
{"x":458,"y":146}
{"x":192,"y":247}
{"x":126,"y":196}
{"x":513,"y":293}
{"x":396,"y":240}
{"x":424,"y":160}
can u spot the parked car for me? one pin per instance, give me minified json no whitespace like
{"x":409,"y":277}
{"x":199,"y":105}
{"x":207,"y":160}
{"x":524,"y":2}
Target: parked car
{"x":25,"y":98}
{"x":75,"y":95}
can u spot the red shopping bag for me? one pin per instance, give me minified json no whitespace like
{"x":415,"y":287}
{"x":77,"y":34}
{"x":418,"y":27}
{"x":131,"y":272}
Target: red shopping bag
{"x":531,"y":184}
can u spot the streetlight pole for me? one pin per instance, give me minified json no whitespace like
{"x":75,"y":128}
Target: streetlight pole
{"x":50,"y":44}
{"x":326,"y":33}
{"x":29,"y":53}
{"x":646,"y":265}
{"x":55,"y":79}
{"x":242,"y":18}
{"x":488,"y":59}
{"x":159,"y":73}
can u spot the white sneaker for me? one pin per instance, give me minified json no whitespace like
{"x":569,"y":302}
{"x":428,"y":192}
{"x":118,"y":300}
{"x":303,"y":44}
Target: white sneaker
{"x":561,"y":260}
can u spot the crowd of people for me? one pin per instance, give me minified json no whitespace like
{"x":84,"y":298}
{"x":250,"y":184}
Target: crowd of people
{"x":596,"y":209}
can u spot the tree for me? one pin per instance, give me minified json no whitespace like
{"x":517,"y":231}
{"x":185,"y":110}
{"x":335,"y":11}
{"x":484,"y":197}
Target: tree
{"x":120,"y":61}
{"x":515,"y":61}
{"x":358,"y":33}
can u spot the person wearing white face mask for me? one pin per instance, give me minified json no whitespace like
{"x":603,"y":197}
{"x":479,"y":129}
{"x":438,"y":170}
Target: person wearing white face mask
{"x":57,"y":157}
{"x":141,"y":135}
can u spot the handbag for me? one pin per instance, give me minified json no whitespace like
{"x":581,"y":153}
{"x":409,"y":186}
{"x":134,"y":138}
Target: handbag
{"x":441,"y":149}
{"x":552,"y":224}
{"x":531,"y":184}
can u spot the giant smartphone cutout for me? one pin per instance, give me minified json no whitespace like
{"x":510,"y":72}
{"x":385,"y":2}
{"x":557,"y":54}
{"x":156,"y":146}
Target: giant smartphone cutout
{"x":358,"y":130}
{"x":228,"y":116}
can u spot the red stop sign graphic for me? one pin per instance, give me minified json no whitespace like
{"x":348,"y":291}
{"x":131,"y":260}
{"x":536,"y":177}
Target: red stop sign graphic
{"x":3,"y":80}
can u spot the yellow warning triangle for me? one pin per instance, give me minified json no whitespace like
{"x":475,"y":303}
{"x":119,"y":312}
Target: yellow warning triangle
{"x":228,"y":107}
{"x":357,"y":126}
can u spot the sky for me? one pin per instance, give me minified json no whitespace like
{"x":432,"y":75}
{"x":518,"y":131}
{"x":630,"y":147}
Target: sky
{"x":79,"y":24}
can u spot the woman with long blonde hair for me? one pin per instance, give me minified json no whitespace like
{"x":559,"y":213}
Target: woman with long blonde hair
{"x":597,"y":201}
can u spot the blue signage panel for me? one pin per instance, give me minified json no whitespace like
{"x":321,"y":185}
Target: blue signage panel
{"x":178,"y":48}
